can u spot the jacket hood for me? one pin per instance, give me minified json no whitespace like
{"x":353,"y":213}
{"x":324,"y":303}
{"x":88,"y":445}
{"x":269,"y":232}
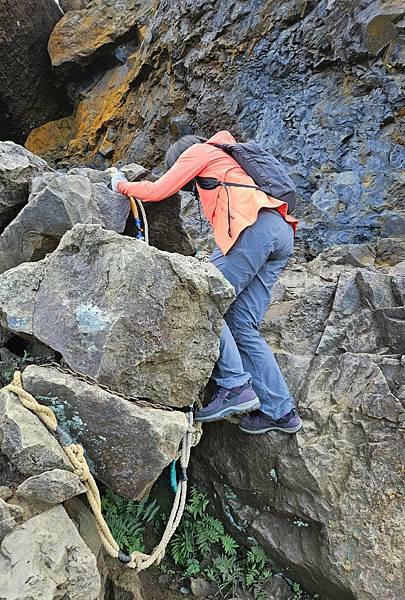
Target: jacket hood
{"x":222,"y":137}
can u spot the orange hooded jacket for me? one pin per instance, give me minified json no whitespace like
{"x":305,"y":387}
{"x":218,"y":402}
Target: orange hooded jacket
{"x":206,"y":160}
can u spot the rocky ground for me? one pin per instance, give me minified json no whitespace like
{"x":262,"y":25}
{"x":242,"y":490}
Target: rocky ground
{"x":318,"y":83}
{"x":145,"y":323}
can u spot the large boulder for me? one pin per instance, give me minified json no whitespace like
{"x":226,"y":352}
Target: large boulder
{"x":142,"y":321}
{"x":324,"y":502}
{"x":85,"y":34}
{"x":58,"y":202}
{"x":46,"y":558}
{"x":127,"y":445}
{"x":17,"y":169}
{"x":29,"y":91}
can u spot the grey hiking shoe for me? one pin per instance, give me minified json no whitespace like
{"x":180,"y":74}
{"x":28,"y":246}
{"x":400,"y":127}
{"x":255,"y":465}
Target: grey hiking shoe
{"x":225,"y":403}
{"x":258,"y":422}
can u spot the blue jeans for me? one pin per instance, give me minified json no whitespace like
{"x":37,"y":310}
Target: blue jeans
{"x":252,"y":266}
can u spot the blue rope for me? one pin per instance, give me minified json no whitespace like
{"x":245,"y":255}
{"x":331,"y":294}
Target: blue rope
{"x":139,"y":230}
{"x":173,"y":476}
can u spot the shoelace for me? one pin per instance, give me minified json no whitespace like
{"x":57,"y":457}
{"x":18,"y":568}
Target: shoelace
{"x":220,"y":394}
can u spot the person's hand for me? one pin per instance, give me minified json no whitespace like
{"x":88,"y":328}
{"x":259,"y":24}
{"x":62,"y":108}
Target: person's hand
{"x":116,"y":178}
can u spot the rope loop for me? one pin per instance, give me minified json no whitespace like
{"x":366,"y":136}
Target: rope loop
{"x":75,"y":453}
{"x":45,"y":413}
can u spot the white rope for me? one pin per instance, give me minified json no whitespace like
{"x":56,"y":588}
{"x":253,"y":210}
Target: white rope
{"x":144,"y":219}
{"x":75,"y":453}
{"x":59,"y":6}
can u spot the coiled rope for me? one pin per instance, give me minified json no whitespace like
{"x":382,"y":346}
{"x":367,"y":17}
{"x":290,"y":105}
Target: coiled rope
{"x":75,"y":453}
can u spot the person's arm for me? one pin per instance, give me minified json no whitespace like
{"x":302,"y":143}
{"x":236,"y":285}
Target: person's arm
{"x":190,"y":163}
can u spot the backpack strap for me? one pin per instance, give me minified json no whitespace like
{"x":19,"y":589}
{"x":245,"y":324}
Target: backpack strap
{"x":211,"y":183}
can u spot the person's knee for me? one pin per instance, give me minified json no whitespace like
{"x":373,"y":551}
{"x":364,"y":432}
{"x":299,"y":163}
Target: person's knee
{"x":244,"y":330}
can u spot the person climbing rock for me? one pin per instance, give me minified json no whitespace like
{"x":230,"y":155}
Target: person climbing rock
{"x":254,"y":237}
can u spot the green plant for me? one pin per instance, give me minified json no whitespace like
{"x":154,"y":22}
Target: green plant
{"x":127,"y":519}
{"x":226,"y":572}
{"x":228,"y":544}
{"x":296,"y":588}
{"x":197,"y":503}
{"x":202,"y":547}
{"x":197,"y":534}
{"x":256,"y":571}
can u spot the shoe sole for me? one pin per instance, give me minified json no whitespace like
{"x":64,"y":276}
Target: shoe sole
{"x":275,"y":428}
{"x":232,"y":410}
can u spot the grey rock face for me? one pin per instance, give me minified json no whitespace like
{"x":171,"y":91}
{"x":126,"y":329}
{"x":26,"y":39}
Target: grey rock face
{"x":166,"y":230}
{"x":56,"y":204}
{"x":46,"y":558}
{"x":17,"y":168}
{"x":127,"y":445}
{"x":165,"y":227}
{"x":196,"y":225}
{"x":5,"y":492}
{"x":51,"y":487}
{"x":317,"y":83}
{"x":367,"y":316}
{"x":73,"y":4}
{"x":25,"y":440}
{"x":324,"y":502}
{"x":4,"y":337}
{"x":142,"y":321}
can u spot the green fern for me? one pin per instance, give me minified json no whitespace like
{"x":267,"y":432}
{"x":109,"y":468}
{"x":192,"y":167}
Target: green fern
{"x":182,"y":546}
{"x":256,"y":556}
{"x":193,"y":568}
{"x":256,"y":571}
{"x":197,"y":503}
{"x":208,"y":531}
{"x":127,"y":519}
{"x":227,"y":573}
{"x":201,"y":540}
{"x":229,"y":545}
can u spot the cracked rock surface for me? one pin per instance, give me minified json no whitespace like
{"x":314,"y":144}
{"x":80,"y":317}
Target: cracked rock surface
{"x":318,"y":83}
{"x":18,"y":167}
{"x":46,"y":558}
{"x":127,"y":445}
{"x":56,"y":203}
{"x":328,"y":502}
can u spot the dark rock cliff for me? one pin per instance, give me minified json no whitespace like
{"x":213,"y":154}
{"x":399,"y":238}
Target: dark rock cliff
{"x":29,"y":91}
{"x":318,"y":83}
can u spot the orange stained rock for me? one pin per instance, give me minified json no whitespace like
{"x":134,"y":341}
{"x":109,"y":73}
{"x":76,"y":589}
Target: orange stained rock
{"x":51,"y":138}
{"x":81,"y":34}
{"x":105,"y":104}
{"x":102,"y":105}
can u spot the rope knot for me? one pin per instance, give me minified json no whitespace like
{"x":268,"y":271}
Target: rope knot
{"x":138,"y":559}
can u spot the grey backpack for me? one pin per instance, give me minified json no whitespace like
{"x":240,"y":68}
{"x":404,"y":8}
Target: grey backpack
{"x":269,"y":175}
